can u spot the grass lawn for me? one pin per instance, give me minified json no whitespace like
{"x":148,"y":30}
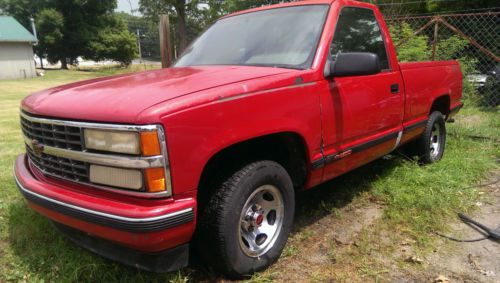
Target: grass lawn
{"x":416,"y":200}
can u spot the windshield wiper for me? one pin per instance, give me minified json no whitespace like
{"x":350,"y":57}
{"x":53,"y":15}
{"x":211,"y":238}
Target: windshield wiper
{"x":284,"y":66}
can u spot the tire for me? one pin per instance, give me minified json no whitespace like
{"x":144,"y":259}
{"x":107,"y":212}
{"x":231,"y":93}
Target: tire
{"x":256,"y":200}
{"x":431,"y":144}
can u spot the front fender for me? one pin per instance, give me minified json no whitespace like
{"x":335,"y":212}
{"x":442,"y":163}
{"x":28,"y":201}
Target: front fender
{"x":197,"y":134}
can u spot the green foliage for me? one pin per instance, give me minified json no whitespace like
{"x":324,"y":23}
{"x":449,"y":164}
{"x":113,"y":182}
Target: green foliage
{"x":21,"y":10}
{"x":468,"y":66}
{"x":460,"y":5}
{"x":450,"y":48}
{"x":453,"y":48}
{"x":178,"y":10}
{"x":187,"y":20}
{"x":50,"y":24}
{"x":410,"y":47}
{"x":114,"y":42}
{"x":148,"y":34}
{"x":74,"y":28}
{"x":435,"y":192}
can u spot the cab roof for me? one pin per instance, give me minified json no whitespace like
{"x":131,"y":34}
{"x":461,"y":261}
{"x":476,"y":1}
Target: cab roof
{"x":282,"y":5}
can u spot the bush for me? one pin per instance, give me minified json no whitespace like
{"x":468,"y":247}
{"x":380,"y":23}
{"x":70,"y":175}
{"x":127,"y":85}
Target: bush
{"x":411,"y":47}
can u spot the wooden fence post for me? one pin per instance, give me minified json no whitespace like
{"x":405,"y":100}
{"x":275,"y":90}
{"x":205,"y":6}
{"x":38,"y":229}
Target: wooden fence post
{"x":434,"y":44}
{"x":166,"y":54}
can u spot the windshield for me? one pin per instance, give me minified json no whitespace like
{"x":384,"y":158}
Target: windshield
{"x":282,"y":37}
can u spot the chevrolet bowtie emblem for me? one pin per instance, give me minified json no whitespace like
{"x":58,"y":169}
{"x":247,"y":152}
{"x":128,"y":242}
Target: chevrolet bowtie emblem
{"x":37,"y":147}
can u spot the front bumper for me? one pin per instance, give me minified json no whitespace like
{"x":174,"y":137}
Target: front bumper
{"x":136,"y":231}
{"x":165,"y":261}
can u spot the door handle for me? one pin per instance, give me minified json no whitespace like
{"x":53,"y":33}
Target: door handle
{"x":395,"y":88}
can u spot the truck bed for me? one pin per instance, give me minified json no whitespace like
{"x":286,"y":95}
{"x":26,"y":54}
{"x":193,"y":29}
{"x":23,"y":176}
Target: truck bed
{"x":425,"y":81}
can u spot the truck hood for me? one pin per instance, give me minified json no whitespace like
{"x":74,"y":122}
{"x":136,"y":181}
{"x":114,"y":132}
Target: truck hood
{"x":122,"y":98}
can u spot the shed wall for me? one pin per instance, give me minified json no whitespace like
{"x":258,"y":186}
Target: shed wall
{"x":16,"y":60}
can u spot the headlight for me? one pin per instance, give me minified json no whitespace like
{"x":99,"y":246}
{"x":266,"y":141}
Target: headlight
{"x":145,"y":143}
{"x":121,"y":142}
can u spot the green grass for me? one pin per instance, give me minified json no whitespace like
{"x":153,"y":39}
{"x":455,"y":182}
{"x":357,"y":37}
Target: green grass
{"x":416,"y":200}
{"x":423,"y":198}
{"x":30,"y":248}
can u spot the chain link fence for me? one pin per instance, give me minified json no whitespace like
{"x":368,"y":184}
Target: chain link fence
{"x":471,"y":38}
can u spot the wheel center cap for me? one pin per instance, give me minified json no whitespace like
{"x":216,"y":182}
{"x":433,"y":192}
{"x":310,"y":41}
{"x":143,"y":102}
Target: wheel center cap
{"x":255,"y":219}
{"x":259,"y":219}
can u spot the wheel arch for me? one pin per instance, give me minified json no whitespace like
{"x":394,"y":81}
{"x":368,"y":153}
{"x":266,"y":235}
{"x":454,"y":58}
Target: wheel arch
{"x":286,"y":148}
{"x":442,"y":104}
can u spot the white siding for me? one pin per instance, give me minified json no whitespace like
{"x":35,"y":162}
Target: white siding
{"x":16,"y":60}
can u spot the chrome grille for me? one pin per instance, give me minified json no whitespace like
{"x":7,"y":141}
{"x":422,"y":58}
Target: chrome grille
{"x":56,"y":147}
{"x":59,"y":166}
{"x":60,"y":136}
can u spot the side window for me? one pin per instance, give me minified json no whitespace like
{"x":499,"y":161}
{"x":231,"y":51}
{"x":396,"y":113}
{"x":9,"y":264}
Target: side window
{"x":358,"y":31}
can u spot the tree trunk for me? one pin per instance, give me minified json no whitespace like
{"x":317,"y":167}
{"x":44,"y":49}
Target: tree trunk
{"x":180,"y":8}
{"x":64,"y":64}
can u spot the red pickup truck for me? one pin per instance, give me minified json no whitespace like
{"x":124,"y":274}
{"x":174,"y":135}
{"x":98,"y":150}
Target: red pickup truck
{"x":208,"y":154}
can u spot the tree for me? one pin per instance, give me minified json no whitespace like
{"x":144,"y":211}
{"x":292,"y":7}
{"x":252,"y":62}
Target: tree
{"x":50,"y":24}
{"x":148,"y":33}
{"x":86,"y":25}
{"x":188,"y":18}
{"x":460,"y":5}
{"x":82,"y":22}
{"x":114,"y":41}
{"x":22,"y":10}
{"x":152,"y":9}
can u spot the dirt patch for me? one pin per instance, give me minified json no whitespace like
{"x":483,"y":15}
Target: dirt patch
{"x":350,"y":246}
{"x":326,"y":239}
{"x":467,"y":262}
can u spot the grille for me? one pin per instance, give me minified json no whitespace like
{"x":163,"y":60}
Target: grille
{"x":66,"y":137}
{"x":60,"y":167}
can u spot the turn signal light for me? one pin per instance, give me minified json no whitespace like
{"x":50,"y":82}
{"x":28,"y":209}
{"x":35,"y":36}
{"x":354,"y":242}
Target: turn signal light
{"x":155,"y":179}
{"x":150,"y":145}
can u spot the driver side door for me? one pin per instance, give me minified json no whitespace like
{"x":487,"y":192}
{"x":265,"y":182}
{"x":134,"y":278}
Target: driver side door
{"x":362,"y":115}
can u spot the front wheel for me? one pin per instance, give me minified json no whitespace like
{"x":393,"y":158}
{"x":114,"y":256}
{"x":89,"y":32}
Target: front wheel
{"x":432,"y":142}
{"x":246,"y":223}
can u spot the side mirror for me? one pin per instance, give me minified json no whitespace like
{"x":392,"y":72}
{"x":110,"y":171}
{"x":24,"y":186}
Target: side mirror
{"x":353,"y":64}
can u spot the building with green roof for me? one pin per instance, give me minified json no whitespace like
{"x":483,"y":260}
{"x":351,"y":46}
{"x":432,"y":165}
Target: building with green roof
{"x":16,"y":50}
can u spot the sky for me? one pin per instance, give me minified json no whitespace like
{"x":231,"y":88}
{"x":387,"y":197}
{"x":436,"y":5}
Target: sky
{"x":125,"y":6}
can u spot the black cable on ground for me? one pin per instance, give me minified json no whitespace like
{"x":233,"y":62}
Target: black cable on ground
{"x":487,"y":236}
{"x":488,"y":233}
{"x":461,"y":240}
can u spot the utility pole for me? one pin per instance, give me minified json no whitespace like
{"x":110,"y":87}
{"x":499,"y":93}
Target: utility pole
{"x":166,"y":54}
{"x":33,"y":27}
{"x":139,"y":45}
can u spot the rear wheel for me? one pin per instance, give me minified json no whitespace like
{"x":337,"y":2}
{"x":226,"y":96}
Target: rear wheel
{"x":246,"y":223}
{"x":430,"y":146}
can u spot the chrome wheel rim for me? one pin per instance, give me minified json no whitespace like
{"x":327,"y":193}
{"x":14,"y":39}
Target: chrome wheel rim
{"x":435,"y":141}
{"x":261,"y":220}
